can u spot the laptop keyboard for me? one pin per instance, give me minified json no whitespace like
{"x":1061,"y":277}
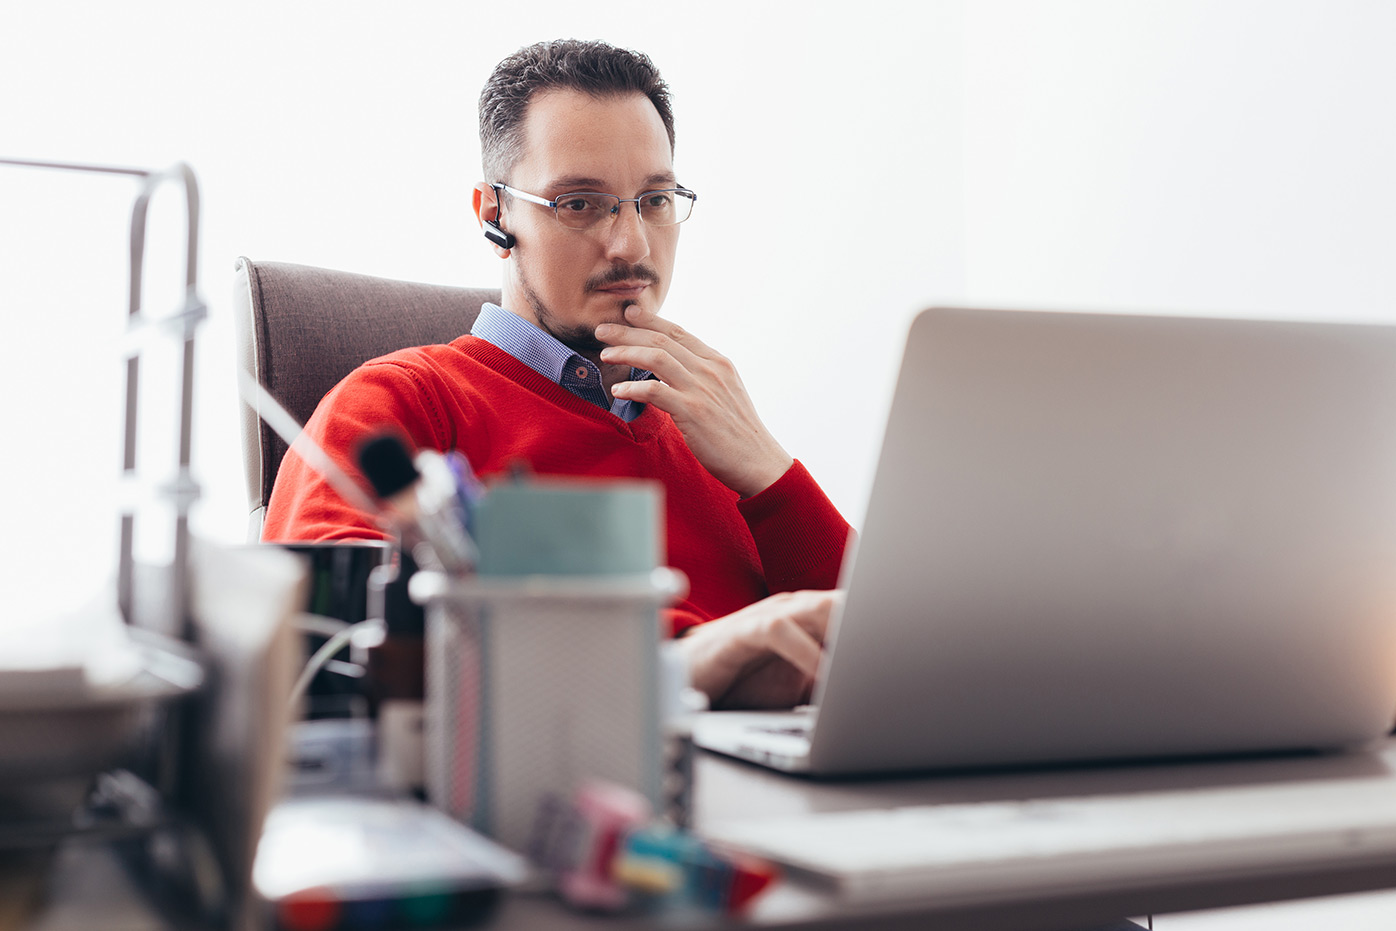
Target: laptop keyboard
{"x":967,"y":853}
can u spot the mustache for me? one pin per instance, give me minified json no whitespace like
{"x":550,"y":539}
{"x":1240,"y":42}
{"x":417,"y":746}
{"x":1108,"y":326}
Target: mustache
{"x":618,"y":273}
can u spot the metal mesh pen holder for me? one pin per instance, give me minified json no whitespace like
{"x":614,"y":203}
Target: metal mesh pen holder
{"x":536,"y":684}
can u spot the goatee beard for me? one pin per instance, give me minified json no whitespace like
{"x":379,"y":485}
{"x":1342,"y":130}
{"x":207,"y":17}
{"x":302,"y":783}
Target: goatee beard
{"x":582,"y":337}
{"x":578,"y":337}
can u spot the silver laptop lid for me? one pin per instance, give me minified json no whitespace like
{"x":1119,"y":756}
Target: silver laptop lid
{"x":1099,"y":536}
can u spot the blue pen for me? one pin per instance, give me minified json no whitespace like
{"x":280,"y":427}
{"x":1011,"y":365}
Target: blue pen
{"x":469,"y":489}
{"x":424,"y":497}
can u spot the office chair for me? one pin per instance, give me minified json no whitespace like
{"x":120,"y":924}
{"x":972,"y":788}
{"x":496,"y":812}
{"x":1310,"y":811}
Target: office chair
{"x":301,"y":329}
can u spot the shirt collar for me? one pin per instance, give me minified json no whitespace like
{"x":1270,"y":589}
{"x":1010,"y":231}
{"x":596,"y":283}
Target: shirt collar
{"x":522,"y":340}
{"x":541,"y":351}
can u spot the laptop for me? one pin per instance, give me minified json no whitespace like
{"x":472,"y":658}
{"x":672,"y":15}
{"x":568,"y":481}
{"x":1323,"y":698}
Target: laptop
{"x":1100,"y":537}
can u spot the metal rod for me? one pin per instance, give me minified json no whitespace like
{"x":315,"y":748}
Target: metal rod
{"x":74,"y":166}
{"x":179,"y":579}
{"x":255,"y":396}
{"x":126,"y":558}
{"x":187,"y":489}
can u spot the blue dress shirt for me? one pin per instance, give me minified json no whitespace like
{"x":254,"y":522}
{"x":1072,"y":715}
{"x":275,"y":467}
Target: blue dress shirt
{"x":551,"y":359}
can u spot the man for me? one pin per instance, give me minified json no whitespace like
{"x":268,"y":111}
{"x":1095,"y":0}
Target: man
{"x":578,"y":374}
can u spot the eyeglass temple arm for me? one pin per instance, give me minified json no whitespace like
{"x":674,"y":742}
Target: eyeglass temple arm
{"x":524,"y":195}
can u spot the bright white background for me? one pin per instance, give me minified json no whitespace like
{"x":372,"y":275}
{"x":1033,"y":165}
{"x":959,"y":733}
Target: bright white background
{"x":855,"y":162}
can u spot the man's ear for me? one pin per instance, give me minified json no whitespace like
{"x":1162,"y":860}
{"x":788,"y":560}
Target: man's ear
{"x":486,"y":204}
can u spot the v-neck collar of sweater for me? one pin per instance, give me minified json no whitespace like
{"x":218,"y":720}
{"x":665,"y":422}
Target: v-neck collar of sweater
{"x":643,"y":427}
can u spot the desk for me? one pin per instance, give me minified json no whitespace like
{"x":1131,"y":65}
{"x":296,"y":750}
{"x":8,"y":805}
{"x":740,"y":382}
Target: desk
{"x":727,"y":789}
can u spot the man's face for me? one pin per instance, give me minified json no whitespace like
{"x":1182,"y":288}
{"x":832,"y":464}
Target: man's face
{"x":570,"y":281}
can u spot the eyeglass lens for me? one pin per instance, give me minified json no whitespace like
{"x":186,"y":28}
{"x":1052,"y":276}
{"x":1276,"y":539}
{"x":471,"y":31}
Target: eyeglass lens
{"x":657,"y":208}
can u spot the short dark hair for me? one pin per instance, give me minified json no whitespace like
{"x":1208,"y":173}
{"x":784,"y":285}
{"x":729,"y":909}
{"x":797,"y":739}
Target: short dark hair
{"x":594,"y":68}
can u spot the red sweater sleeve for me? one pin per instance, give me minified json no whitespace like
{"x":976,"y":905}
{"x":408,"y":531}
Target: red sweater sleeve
{"x":678,"y":621}
{"x":799,"y":533}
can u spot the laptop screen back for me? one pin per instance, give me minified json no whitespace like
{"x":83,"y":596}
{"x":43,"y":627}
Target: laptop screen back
{"x":1101,"y":536}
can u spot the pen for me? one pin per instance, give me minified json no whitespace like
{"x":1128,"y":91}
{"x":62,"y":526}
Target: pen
{"x":423,"y":496}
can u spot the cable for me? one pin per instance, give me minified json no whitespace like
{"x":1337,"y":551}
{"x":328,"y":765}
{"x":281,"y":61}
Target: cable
{"x":323,"y":655}
{"x":318,"y":624}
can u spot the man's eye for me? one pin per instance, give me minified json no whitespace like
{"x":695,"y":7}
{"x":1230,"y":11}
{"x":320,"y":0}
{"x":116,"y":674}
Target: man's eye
{"x":576,"y":204}
{"x":659,"y":200}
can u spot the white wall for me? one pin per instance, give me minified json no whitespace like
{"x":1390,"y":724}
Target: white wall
{"x":854,"y":163}
{"x":1230,"y":157}
{"x":344,"y":135}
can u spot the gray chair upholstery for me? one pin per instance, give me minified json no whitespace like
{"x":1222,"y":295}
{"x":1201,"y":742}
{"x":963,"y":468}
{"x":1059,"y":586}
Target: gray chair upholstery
{"x":301,"y":329}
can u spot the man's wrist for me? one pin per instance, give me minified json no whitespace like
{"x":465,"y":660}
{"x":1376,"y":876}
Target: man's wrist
{"x":766,"y":475}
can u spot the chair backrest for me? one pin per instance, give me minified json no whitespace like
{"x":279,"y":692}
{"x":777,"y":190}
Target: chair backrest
{"x":301,"y":329}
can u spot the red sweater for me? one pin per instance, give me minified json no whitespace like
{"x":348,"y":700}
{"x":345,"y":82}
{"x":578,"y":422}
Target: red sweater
{"x":470,"y":395}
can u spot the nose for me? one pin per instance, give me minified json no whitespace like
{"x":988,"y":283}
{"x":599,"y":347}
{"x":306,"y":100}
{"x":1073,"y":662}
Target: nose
{"x":627,"y":239}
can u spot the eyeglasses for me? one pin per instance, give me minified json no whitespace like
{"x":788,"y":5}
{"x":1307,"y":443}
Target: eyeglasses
{"x":585,"y":209}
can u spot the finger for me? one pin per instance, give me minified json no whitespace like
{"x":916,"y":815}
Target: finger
{"x":650,"y":391}
{"x":791,"y":642}
{"x":679,"y":393}
{"x":776,"y":684}
{"x":623,"y":337}
{"x":812,"y":609}
{"x":648,"y":320}
{"x":679,"y":372}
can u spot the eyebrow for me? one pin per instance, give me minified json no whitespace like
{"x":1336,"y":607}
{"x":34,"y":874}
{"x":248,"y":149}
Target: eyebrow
{"x":569,"y":183}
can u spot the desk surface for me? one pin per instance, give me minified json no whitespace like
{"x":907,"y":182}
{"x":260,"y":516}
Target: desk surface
{"x":728,"y":790}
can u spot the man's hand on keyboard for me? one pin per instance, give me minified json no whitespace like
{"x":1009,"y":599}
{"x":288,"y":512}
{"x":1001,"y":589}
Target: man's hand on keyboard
{"x":763,"y":656}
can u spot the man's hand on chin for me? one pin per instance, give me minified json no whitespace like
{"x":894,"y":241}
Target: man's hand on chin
{"x":763,"y":656}
{"x":701,"y":390}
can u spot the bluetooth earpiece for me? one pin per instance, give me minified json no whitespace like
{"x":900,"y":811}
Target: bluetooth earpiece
{"x":498,"y":236}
